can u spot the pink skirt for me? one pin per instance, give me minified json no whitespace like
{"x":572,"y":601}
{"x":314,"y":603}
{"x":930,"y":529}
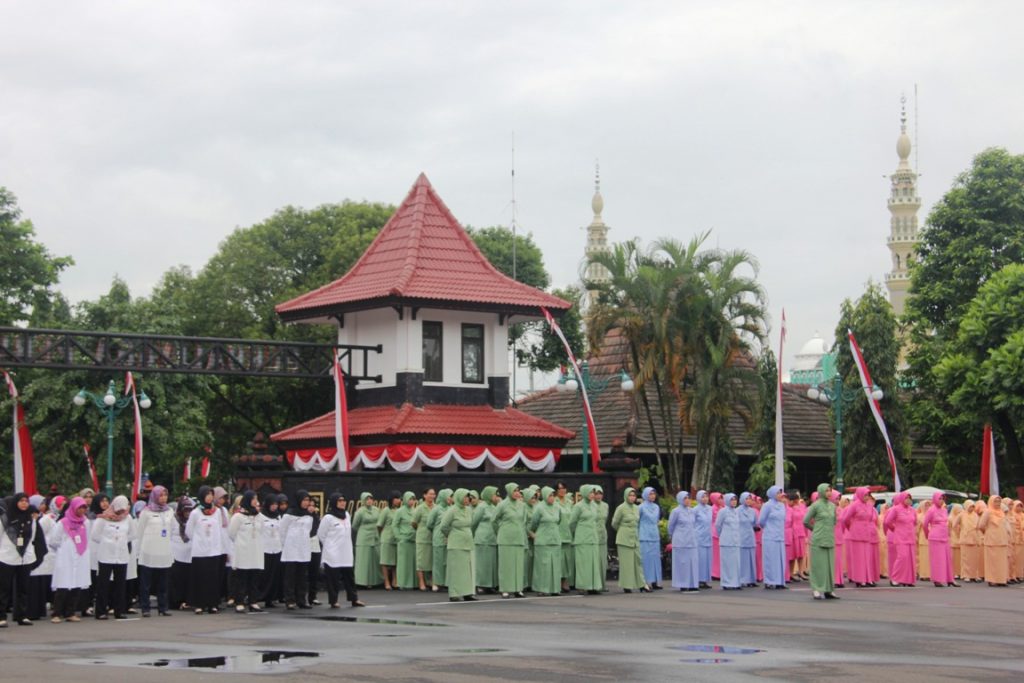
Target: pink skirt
{"x":839,"y":565}
{"x":716,"y":559}
{"x":940,"y":556}
{"x":904,"y":568}
{"x":864,"y":561}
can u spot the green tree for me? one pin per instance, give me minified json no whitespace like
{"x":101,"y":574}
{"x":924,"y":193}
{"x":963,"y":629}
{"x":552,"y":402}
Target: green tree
{"x":496,"y":243}
{"x":873,"y":323}
{"x":28,"y":271}
{"x":762,"y":472}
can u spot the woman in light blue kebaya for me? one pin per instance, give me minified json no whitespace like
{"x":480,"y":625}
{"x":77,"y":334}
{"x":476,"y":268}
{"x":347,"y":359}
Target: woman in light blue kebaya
{"x":682,"y":528}
{"x":772,"y":521}
{"x":650,"y":537}
{"x":727,"y":524}
{"x":702,"y":514}
{"x":748,"y":541}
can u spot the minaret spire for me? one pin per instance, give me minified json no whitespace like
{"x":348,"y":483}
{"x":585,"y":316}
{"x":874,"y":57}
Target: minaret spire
{"x":597,"y":238}
{"x":903,"y":207}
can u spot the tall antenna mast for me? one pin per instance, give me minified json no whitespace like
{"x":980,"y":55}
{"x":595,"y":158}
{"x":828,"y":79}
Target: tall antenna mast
{"x":514,"y":277}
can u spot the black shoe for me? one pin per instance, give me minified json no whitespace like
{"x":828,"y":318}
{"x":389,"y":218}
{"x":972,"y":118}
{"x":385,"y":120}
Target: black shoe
{"x":305,"y":606}
{"x":101,"y":617}
{"x":24,"y":622}
{"x":520,"y":594}
{"x":656,"y":587}
{"x":122,"y":616}
{"x":165,"y":614}
{"x":145,"y":615}
{"x":831,"y":596}
{"x":469,"y":598}
{"x":358,"y":603}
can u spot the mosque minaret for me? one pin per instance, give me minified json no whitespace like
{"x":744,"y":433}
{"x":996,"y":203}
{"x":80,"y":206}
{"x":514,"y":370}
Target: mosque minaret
{"x":597,"y":242}
{"x":904,"y":203}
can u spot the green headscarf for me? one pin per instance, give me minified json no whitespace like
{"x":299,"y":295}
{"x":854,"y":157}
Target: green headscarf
{"x":511,"y":488}
{"x":488,"y":493}
{"x":460,"y":497}
{"x":442,"y":497}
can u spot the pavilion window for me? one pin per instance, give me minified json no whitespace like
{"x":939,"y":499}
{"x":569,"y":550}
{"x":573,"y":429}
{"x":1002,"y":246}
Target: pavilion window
{"x":472,"y":353}
{"x":433,"y":351}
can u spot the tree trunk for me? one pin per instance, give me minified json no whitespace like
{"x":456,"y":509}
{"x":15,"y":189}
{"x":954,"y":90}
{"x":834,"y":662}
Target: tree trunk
{"x":1014,"y":460}
{"x":650,"y":422}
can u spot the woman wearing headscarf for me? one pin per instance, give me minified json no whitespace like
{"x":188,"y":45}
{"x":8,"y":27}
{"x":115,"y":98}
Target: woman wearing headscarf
{"x":954,"y":537}
{"x":602,"y":533}
{"x":270,"y":533}
{"x":682,"y":530}
{"x":772,"y":521}
{"x":530,"y":494}
{"x":568,"y":554}
{"x":838,"y":501}
{"x":757,"y":538}
{"x":748,"y":543}
{"x":1018,"y":548}
{"x":861,"y":526}
{"x":205,"y":532}
{"x":17,"y":556}
{"x":923,"y":563}
{"x":181,"y":552}
{"x":705,"y":539}
{"x":650,"y":537}
{"x":98,"y":504}
{"x":583,"y":525}
{"x":485,"y":540}
{"x":716,"y":552}
{"x":364,"y":526}
{"x":424,"y":540}
{"x":993,"y":525}
{"x":39,"y":592}
{"x":627,"y":543}
{"x":247,"y":564}
{"x":966,"y":525}
{"x":547,"y":544}
{"x":388,"y":546}
{"x":296,"y":529}
{"x":727,"y":525}
{"x":110,"y":535}
{"x":510,"y":531}
{"x":71,"y":573}
{"x":936,"y":530}
{"x":820,"y":518}
{"x":439,"y":554}
{"x":153,"y":532}
{"x":405,"y":540}
{"x":313,"y":566}
{"x":335,"y":535}
{"x":457,"y":528}
{"x":800,"y":537}
{"x":900,"y":522}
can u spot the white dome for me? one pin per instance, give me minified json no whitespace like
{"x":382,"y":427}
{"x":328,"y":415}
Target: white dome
{"x":903,"y":145}
{"x":810,"y":354}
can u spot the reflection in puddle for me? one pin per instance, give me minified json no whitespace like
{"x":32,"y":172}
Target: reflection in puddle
{"x":263,"y":661}
{"x":477,"y":650}
{"x":390,"y":635}
{"x":375,"y":620}
{"x":706,"y":661}
{"x":724,"y":649}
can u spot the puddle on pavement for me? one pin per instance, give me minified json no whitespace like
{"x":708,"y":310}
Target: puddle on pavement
{"x":706,"y":661}
{"x":375,"y":620}
{"x":390,"y":635}
{"x":264,"y":661}
{"x":723,"y":649}
{"x":477,"y":650}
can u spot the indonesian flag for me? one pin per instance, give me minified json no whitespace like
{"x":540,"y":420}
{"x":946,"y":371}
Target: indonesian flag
{"x":24,"y":462}
{"x":340,"y":414}
{"x":204,"y":467}
{"x":129,"y":388}
{"x":876,"y":410}
{"x":780,"y":476}
{"x":92,"y":468}
{"x":989,"y":474}
{"x":187,"y":472}
{"x":595,"y":451}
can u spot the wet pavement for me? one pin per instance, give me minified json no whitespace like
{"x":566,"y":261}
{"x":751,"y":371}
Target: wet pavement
{"x":922,"y":634}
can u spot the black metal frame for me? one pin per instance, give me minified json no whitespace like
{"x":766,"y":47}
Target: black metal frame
{"x":114,"y":351}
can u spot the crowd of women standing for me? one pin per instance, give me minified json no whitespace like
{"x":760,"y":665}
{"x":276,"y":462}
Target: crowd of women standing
{"x":90,"y":556}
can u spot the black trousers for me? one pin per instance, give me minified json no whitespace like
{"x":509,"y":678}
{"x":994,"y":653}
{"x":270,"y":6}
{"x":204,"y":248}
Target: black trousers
{"x":110,"y":589}
{"x":204,"y":582}
{"x":66,"y":601}
{"x":340,"y":577}
{"x":39,"y":594}
{"x":153,"y":580}
{"x":177,"y":591}
{"x":270,"y":581}
{"x":14,"y":590}
{"x":246,"y":586}
{"x":296,"y":576}
{"x":314,"y":576}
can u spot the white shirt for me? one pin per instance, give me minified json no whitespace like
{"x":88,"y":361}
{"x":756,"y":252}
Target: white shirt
{"x":246,"y":531}
{"x":153,"y":532}
{"x":206,"y":533}
{"x":9,"y":554}
{"x":70,"y":570}
{"x":181,"y":550}
{"x":111,"y":540}
{"x":336,"y":540}
{"x":46,"y":523}
{"x":271,"y":534}
{"x":295,"y":533}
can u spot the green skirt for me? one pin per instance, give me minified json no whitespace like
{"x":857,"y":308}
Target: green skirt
{"x":602,"y":548}
{"x":405,"y":567}
{"x":511,"y":565}
{"x":569,"y":563}
{"x":460,"y":573}
{"x":823,"y":569}
{"x":631,"y":571}
{"x":588,"y":568}
{"x":547,"y":569}
{"x":438,"y":571}
{"x":388,"y":553}
{"x":424,"y":557}
{"x":528,"y":573}
{"x":486,"y":565}
{"x":367,"y":568}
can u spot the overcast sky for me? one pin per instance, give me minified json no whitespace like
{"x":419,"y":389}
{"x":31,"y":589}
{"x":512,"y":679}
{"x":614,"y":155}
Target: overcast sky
{"x":138,"y":135}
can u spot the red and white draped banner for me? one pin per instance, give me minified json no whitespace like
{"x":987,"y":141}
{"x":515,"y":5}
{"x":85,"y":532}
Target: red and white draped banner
{"x":876,"y":409}
{"x":92,"y":468}
{"x":780,"y":472}
{"x":186,"y":473}
{"x":129,"y":388}
{"x":204,"y":467}
{"x":24,"y":461}
{"x":403,"y":457}
{"x":340,"y":416}
{"x":989,"y":472}
{"x":595,"y":449}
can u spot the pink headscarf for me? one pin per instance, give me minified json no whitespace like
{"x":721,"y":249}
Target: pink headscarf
{"x":861,"y":492}
{"x":74,"y":525}
{"x":154,"y":504}
{"x":834,"y":496}
{"x":937,"y":498}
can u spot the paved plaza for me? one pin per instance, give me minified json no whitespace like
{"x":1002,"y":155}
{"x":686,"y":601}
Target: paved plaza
{"x":882,"y":634}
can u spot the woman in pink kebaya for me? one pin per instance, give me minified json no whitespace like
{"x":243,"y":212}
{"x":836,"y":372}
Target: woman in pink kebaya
{"x":901,"y":521}
{"x":940,"y":553}
{"x":861,"y":539}
{"x":716,"y":557}
{"x":835,"y":497}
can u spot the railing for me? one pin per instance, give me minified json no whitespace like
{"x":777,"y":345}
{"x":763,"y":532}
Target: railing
{"x":79,"y":350}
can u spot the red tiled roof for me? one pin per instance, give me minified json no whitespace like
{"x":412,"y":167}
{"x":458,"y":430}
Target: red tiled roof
{"x":453,"y":420}
{"x":421,"y":255}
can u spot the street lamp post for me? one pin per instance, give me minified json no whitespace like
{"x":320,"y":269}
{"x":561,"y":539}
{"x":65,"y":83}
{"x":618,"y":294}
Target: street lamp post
{"x":594,"y":387}
{"x":110,"y":406}
{"x":836,"y":392}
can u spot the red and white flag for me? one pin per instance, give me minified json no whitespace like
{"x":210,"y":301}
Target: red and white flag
{"x":186,"y":474}
{"x":129,"y":388}
{"x":595,"y":450}
{"x":989,"y":473}
{"x":92,"y":468}
{"x":204,"y":467}
{"x":340,"y":415}
{"x":24,"y":461}
{"x":780,"y":472}
{"x":876,"y":410}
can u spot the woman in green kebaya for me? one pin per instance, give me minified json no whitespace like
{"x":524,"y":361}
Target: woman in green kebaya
{"x":510,"y":527}
{"x":388,"y":547}
{"x":564,"y":500}
{"x":627,"y":543}
{"x":821,"y":520}
{"x":424,"y":540}
{"x":440,"y":551}
{"x":457,"y":527}
{"x":485,"y":540}
{"x":405,"y":540}
{"x":583,"y":524}
{"x":530,"y":494}
{"x":547,"y":544}
{"x":602,"y":510}
{"x":364,"y":526}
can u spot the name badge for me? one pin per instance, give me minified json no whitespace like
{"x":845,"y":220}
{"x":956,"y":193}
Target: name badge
{"x":78,"y":539}
{"x":21,"y":541}
{"x":163,"y":533}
